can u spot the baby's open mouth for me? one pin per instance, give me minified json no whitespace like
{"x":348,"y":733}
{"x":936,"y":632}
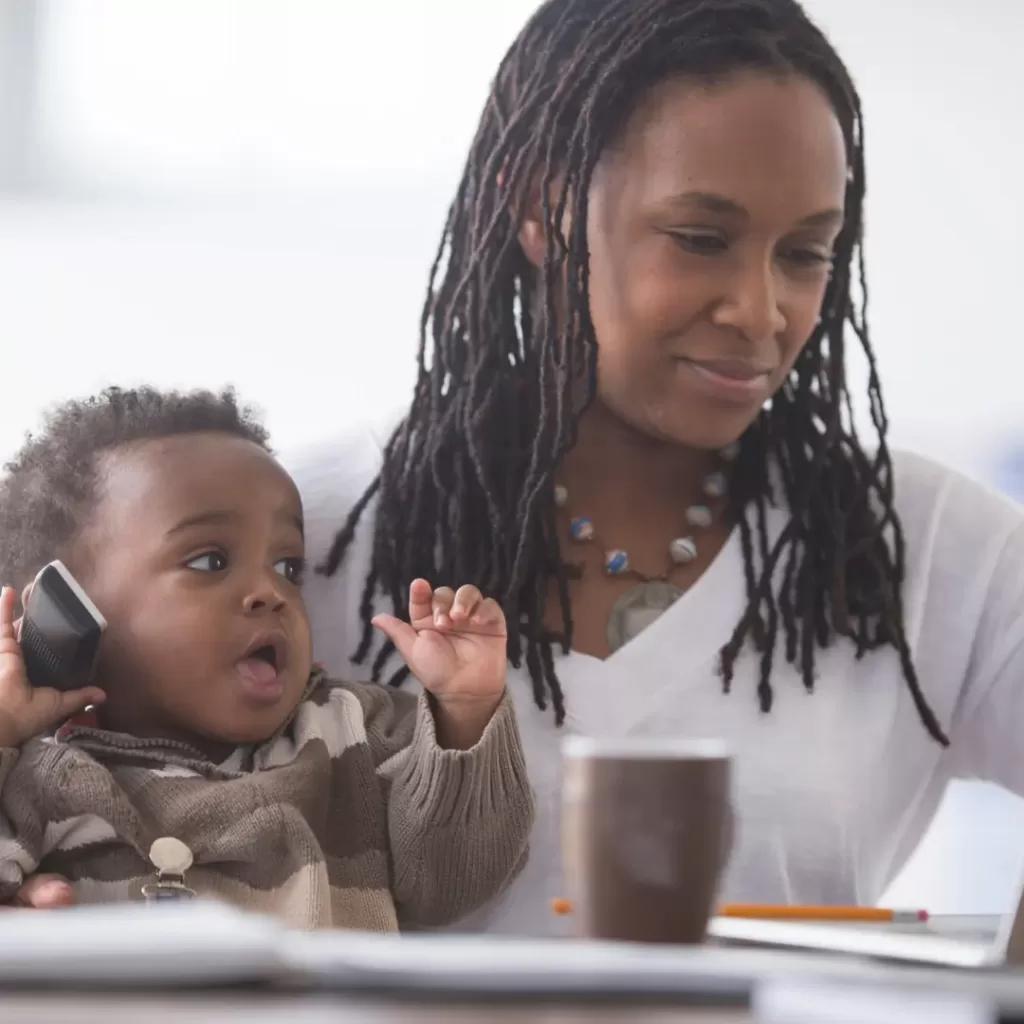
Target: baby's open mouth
{"x":267,"y":653}
{"x":260,"y":668}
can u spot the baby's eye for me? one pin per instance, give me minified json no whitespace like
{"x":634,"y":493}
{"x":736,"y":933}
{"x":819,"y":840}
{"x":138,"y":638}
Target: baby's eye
{"x":209,"y":561}
{"x":292,"y":569}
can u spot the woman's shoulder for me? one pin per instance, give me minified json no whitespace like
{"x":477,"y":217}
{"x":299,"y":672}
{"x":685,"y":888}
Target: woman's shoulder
{"x":333,"y":472}
{"x":933,"y":497}
{"x":962,"y":536}
{"x":340,"y":461}
{"x":965,"y":596}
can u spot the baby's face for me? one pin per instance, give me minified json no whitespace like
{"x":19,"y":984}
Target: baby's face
{"x":195,"y":555}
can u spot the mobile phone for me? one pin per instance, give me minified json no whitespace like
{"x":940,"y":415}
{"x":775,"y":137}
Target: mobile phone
{"x":60,"y":631}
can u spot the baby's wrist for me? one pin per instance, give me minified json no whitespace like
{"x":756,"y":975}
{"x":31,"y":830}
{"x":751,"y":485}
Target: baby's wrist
{"x":460,"y":723}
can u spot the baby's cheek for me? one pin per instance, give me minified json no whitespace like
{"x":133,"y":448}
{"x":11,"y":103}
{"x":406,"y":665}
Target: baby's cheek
{"x":301,"y":655}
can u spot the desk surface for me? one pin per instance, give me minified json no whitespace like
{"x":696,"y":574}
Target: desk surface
{"x":91,"y":941}
{"x":99,"y":1008}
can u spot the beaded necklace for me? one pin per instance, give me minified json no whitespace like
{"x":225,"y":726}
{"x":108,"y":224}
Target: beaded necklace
{"x":651,"y":595}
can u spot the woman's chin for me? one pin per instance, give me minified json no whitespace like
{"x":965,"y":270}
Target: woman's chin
{"x":708,"y":433}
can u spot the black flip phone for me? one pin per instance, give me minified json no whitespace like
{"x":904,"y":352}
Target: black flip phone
{"x":60,"y":631}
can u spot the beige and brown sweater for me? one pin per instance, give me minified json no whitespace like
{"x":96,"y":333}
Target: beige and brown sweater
{"x":351,"y":816}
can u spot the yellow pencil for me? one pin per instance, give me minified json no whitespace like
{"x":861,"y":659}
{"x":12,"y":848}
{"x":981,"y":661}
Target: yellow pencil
{"x":795,"y":912}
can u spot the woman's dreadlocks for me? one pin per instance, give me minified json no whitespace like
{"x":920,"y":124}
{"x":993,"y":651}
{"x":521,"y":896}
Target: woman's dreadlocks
{"x":466,"y":490}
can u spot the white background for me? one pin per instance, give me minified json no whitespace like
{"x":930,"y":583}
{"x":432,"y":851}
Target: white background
{"x":198,"y":192}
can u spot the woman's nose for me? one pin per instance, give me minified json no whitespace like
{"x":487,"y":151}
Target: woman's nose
{"x":751,"y":306}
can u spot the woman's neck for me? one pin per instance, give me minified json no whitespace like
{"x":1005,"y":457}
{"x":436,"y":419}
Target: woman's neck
{"x":612,"y":460}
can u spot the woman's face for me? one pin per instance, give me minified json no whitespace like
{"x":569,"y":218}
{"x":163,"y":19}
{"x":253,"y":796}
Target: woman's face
{"x":710,"y":229}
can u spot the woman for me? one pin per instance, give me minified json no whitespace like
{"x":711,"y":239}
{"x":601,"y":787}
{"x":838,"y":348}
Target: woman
{"x":655,"y":253}
{"x":633,"y":425}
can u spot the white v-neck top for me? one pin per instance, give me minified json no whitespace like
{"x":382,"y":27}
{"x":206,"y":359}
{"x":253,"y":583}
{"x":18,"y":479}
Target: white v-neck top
{"x":833,"y":790}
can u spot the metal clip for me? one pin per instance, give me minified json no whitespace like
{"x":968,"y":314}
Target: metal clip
{"x":171,"y":858}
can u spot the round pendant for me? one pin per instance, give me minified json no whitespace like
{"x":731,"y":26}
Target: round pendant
{"x":637,"y":608}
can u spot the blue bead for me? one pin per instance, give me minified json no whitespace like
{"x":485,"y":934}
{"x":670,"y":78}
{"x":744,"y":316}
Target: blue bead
{"x":581,"y":528}
{"x":715,"y":485}
{"x":616,"y":562}
{"x":699,"y":515}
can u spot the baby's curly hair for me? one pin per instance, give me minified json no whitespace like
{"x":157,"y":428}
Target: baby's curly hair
{"x":48,"y":489}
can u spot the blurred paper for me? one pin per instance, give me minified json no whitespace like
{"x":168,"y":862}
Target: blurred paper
{"x":802,"y":1003}
{"x":198,"y":943}
{"x":202,"y":944}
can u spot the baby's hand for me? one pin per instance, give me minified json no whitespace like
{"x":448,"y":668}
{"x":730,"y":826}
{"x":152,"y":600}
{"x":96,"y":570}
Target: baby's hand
{"x":456,"y":647}
{"x":25,"y":710}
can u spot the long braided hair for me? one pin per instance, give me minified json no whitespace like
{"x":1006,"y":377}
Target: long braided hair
{"x":466,"y":491}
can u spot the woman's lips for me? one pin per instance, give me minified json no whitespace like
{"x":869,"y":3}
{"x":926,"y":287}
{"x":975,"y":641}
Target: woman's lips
{"x":730,"y":380}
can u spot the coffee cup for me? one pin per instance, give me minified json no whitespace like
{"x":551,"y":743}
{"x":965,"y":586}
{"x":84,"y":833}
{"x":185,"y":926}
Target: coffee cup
{"x":646,"y":831}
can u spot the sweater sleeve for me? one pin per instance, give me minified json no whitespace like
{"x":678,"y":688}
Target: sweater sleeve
{"x":459,"y":821}
{"x":21,"y":830}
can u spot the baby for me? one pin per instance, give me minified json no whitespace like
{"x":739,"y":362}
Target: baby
{"x":328,"y":804}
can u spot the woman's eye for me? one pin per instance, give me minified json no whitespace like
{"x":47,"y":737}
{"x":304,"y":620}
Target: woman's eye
{"x":702,"y":244}
{"x":209,"y":561}
{"x":808,"y":257}
{"x":291,"y":569}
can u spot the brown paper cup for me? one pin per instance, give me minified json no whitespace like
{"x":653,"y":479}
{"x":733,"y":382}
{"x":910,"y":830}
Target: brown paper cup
{"x":646,"y":831}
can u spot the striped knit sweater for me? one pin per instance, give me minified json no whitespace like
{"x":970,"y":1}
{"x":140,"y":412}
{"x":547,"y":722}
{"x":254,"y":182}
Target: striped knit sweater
{"x":351,"y":816}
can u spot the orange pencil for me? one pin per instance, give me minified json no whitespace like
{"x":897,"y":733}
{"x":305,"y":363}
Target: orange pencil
{"x":785,"y":912}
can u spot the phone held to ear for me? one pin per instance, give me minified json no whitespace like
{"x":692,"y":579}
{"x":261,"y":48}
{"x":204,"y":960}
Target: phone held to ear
{"x":60,"y":631}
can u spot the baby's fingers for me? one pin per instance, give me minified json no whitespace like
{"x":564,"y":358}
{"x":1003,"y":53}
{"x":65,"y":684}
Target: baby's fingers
{"x":400,"y":633}
{"x":8,"y":631}
{"x":73,"y":702}
{"x":467,"y":601}
{"x":43,"y":892}
{"x":489,"y":618}
{"x":421,"y":595}
{"x":46,"y":708}
{"x":441,"y":607}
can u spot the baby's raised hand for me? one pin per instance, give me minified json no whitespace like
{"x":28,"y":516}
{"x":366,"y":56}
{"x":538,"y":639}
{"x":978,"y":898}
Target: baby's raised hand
{"x":455,"y":644}
{"x":25,"y":710}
